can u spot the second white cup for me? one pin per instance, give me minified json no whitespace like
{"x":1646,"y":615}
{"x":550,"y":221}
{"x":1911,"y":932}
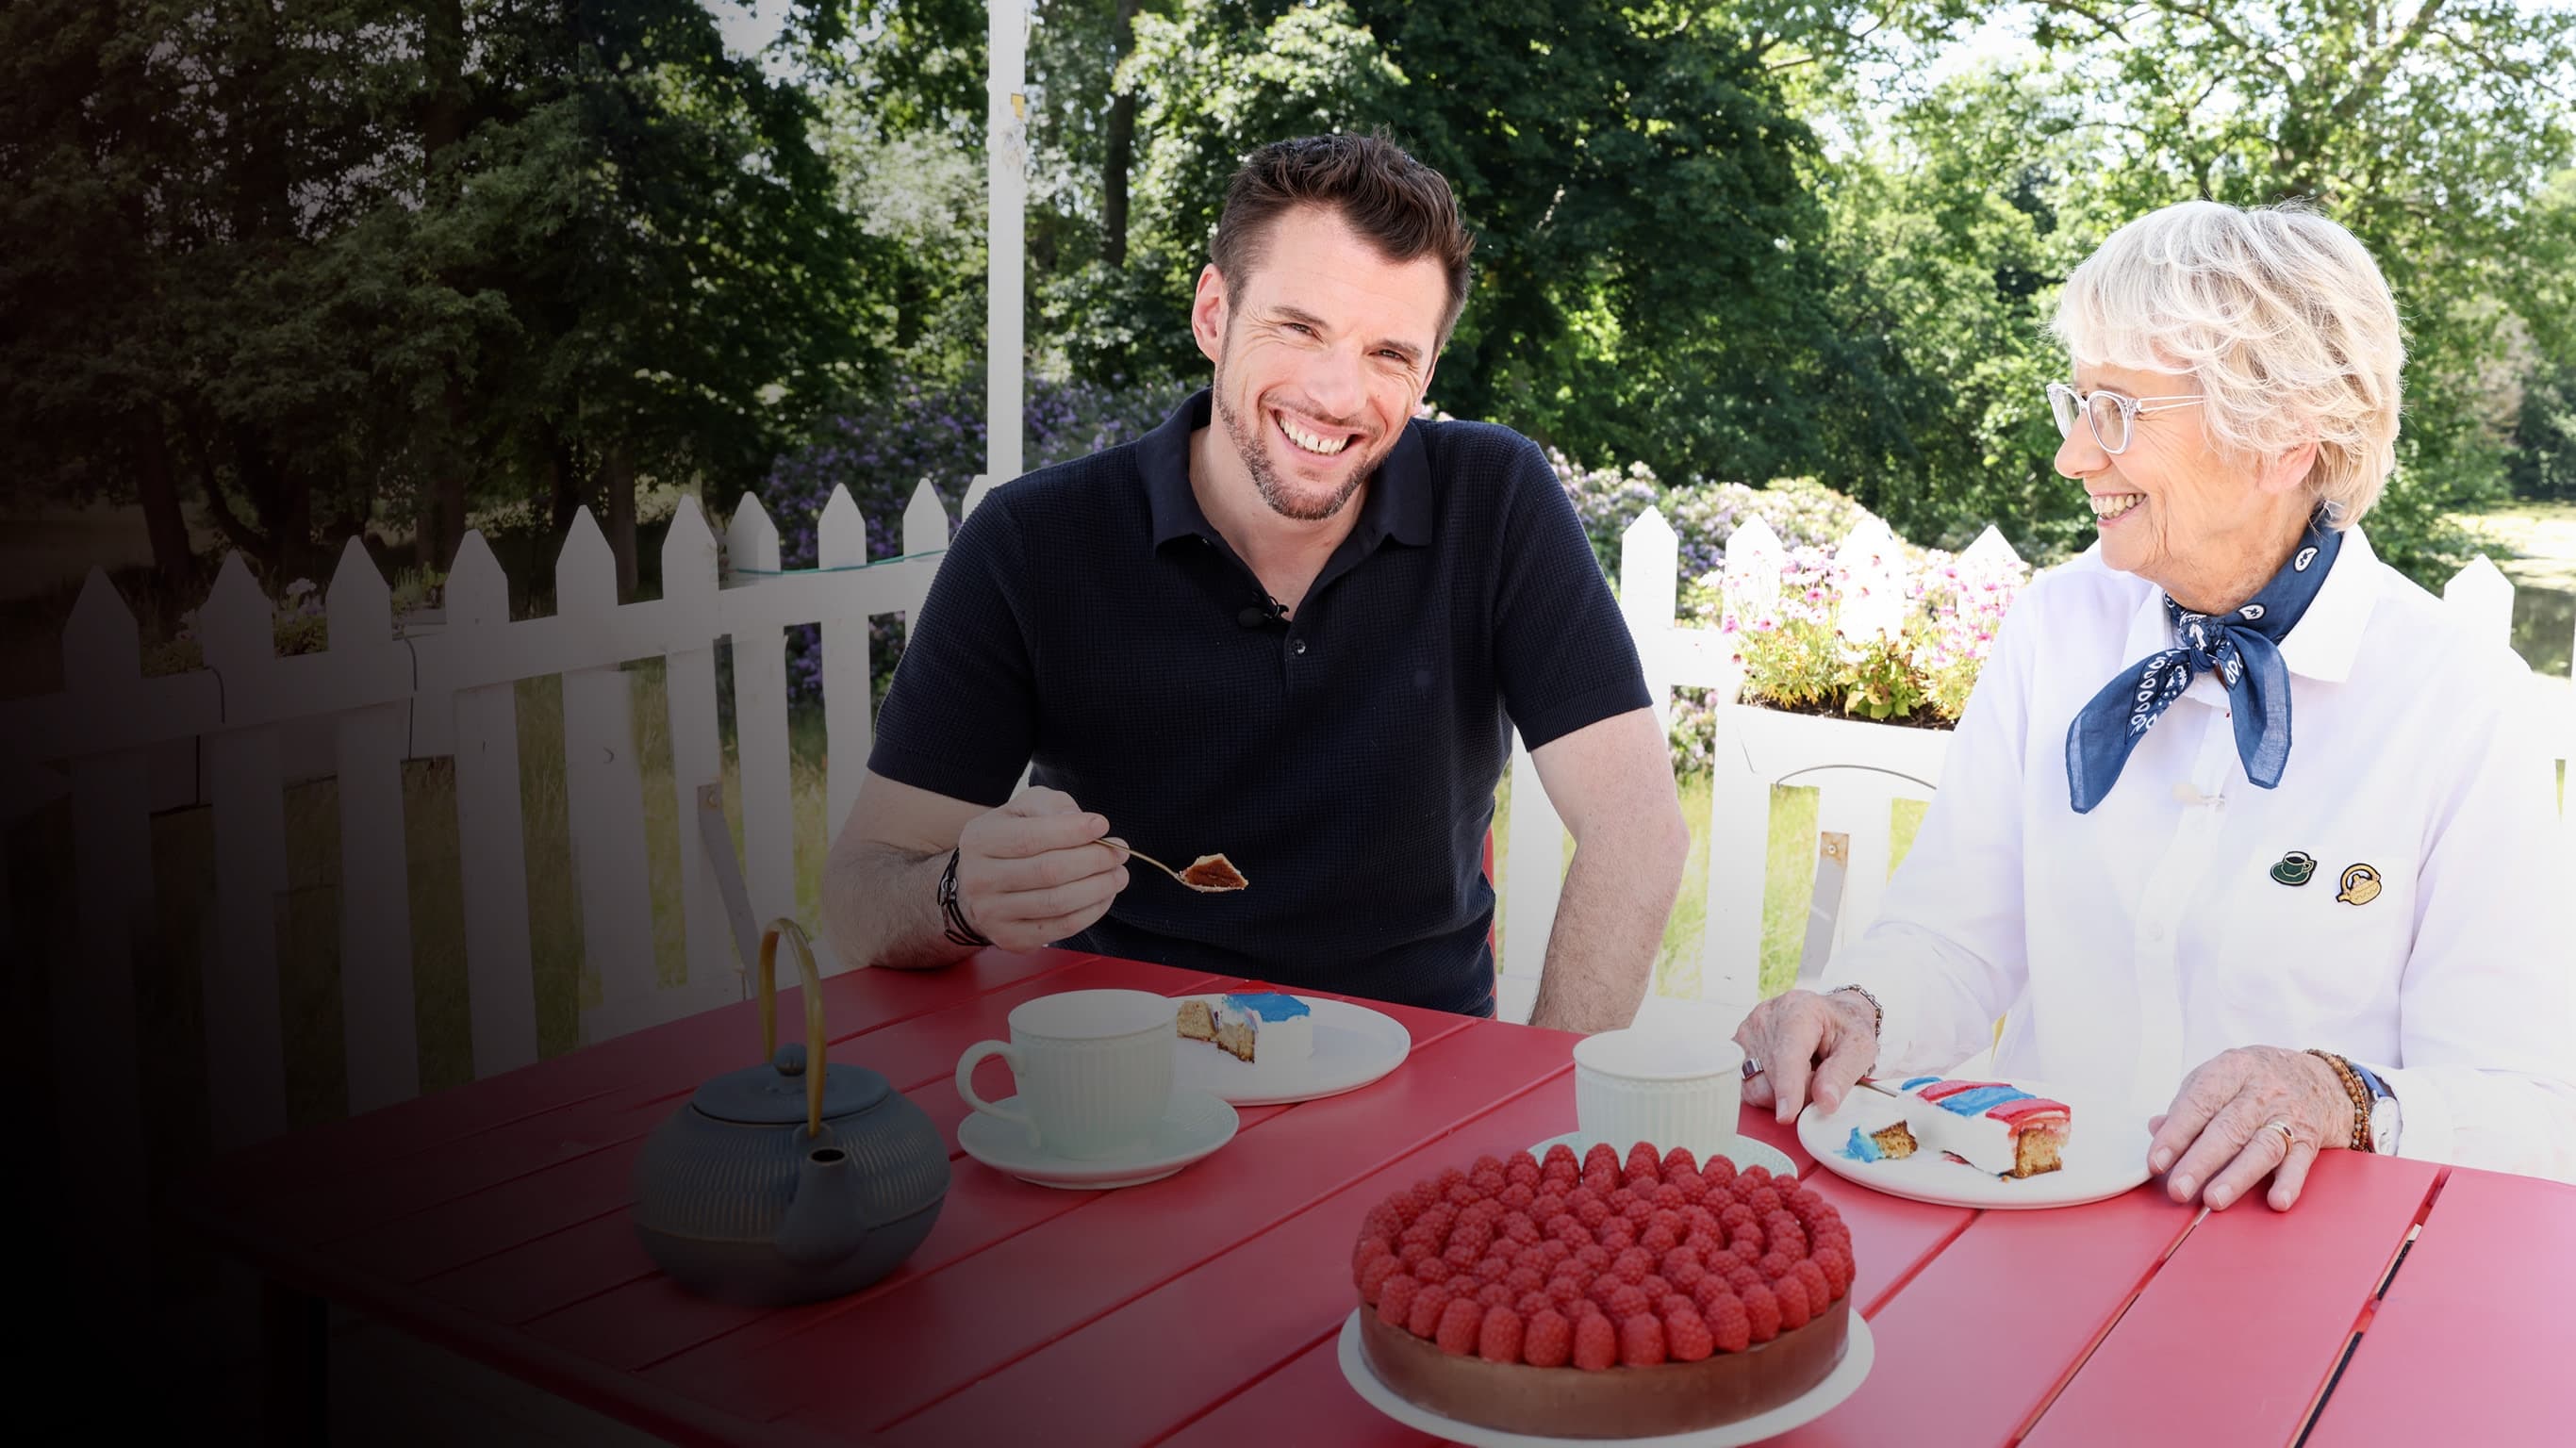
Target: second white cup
{"x":1094,"y":1069}
{"x":1664,"y":1088}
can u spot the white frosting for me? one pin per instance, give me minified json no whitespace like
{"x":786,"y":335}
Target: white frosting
{"x":1982,"y":1141}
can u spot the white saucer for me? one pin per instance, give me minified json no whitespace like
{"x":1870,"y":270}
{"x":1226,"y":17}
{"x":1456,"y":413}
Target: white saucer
{"x":1744,"y":1151}
{"x":1824,"y":1397}
{"x":2105,"y":1155}
{"x":1197,"y":1124}
{"x":1353,"y":1047}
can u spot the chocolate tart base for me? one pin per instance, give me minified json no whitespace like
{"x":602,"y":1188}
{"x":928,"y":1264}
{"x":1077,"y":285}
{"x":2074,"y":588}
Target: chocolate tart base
{"x":1568,"y":1402}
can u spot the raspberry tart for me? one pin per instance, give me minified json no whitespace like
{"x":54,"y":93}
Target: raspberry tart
{"x":1600,"y":1298}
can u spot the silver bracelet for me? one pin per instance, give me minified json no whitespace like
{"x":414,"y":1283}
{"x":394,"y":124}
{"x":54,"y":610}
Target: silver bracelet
{"x":1877,"y":1014}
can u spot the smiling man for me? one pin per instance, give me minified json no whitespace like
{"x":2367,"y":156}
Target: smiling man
{"x":1294,"y":625}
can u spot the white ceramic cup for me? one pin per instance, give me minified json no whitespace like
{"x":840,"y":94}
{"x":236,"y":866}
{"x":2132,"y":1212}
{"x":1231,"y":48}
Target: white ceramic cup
{"x":1094,"y":1069}
{"x":1661,"y":1087}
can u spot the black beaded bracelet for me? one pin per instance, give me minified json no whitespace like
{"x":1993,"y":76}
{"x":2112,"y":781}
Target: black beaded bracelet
{"x":959,"y":932}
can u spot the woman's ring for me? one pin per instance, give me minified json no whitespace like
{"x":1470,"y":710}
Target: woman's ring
{"x":2289,"y":1138}
{"x":1752,"y":1068}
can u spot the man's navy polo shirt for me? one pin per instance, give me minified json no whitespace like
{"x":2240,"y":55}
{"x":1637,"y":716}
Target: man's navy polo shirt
{"x":1089,"y":624}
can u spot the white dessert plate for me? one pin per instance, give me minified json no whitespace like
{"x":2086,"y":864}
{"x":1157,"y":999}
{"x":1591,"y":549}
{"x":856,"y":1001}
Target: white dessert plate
{"x":1824,"y":1397}
{"x":2105,"y":1155}
{"x":1195,"y":1126}
{"x":1744,"y":1151}
{"x":1353,"y":1046}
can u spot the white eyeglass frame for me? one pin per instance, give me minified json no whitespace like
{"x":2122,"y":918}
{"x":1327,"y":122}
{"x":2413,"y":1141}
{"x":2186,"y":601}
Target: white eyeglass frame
{"x":2131,"y":409}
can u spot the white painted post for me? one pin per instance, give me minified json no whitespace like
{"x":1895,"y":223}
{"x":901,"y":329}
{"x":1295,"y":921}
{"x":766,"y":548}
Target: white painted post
{"x":1873,"y":592}
{"x":1739,"y":832}
{"x":1649,"y":590}
{"x":975,"y":492}
{"x":2482,"y":597}
{"x":604,"y":799}
{"x":1006,"y":152}
{"x":760,"y":732}
{"x":1990,"y":555}
{"x":245,"y":1035}
{"x":96,"y":1031}
{"x":925,"y":520}
{"x":1533,"y":868}
{"x":377,"y":1018}
{"x":1754,"y":557}
{"x":697,"y":751}
{"x":492,"y":852}
{"x":849,"y":731}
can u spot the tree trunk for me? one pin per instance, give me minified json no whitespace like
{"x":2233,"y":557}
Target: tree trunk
{"x":1122,"y":147}
{"x":156,"y":480}
{"x":617,"y":481}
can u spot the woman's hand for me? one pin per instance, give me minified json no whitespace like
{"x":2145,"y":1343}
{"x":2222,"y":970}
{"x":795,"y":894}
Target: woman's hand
{"x":2245,"y":1113}
{"x":1803,"y":1045}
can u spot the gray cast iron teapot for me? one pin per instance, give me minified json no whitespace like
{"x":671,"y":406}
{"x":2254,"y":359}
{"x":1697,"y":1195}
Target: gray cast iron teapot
{"x":780,"y":1183}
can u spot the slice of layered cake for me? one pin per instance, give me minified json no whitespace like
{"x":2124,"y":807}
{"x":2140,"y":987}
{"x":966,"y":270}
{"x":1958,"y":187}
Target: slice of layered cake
{"x":1251,"y":1025}
{"x":1991,"y":1126}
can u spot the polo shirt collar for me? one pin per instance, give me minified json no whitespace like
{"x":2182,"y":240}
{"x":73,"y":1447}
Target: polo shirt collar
{"x":2327,"y":636}
{"x":1397,"y":504}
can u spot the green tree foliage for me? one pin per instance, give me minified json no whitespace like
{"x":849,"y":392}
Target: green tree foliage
{"x":322,"y":263}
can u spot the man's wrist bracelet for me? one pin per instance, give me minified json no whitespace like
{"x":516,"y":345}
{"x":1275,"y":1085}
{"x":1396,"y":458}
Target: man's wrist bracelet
{"x":959,"y":932}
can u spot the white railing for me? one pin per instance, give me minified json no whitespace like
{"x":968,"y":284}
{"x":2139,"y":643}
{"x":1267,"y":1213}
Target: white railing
{"x":1858,"y":769}
{"x":231,"y":736}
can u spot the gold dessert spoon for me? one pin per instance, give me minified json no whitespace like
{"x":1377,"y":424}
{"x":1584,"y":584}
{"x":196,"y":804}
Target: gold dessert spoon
{"x":1208,"y":874}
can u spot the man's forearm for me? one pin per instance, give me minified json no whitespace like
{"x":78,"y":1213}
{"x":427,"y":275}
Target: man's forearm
{"x":1609,"y":925}
{"x":881,"y":907}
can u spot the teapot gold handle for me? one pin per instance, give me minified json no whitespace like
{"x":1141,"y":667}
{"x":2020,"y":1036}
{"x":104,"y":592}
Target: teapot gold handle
{"x":812,"y":980}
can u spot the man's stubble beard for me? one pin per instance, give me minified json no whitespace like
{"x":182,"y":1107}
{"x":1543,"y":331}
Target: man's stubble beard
{"x":1256,"y":461}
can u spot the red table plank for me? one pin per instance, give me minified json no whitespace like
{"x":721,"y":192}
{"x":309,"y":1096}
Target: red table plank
{"x":2470,"y":1344}
{"x":2250,"y":1314}
{"x":1306,"y":1402}
{"x":1978,"y":1339}
{"x":956,"y":1325}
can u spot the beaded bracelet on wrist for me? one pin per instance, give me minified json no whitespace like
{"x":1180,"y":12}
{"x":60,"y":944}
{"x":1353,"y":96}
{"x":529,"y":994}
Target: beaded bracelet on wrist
{"x":2353,"y":1089}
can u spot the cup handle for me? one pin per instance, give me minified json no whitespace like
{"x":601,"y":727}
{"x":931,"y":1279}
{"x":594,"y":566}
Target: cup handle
{"x":966,"y":1084}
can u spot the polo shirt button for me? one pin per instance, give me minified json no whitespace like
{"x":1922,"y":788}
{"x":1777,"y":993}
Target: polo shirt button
{"x":1297,"y":645}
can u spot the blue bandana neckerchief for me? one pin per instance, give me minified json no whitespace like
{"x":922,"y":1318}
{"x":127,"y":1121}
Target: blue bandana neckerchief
{"x":2242,"y":647}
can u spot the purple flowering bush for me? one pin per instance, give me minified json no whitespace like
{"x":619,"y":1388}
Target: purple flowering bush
{"x":881,"y":451}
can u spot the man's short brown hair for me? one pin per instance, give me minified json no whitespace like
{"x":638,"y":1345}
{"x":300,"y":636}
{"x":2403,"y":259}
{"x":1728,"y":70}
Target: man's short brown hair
{"x":1401,"y":206}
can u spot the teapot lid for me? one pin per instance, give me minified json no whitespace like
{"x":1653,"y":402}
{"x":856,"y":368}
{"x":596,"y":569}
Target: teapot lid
{"x":774,"y":1094}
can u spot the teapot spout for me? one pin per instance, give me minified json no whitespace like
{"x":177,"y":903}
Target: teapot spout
{"x":826,"y":1221}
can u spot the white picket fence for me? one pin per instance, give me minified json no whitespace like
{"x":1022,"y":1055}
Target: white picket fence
{"x":234,"y":734}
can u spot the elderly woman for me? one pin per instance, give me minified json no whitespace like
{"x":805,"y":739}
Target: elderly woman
{"x":2240,"y":826}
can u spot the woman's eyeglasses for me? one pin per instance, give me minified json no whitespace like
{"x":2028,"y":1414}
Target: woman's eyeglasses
{"x":2108,"y":413}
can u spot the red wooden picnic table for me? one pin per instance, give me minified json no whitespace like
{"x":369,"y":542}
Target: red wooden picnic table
{"x":1202,"y":1309}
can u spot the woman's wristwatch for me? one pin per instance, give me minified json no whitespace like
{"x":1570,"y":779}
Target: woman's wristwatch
{"x":2384,"y":1119}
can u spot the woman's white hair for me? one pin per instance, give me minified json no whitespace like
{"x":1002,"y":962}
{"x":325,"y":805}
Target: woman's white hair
{"x":2279,"y":314}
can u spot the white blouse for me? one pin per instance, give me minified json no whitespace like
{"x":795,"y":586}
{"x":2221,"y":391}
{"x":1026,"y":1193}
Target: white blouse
{"x":2128,"y":946}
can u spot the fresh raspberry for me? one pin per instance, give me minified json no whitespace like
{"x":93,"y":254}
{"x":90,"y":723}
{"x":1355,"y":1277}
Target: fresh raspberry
{"x":1438,"y":1219}
{"x":1420,"y":1234}
{"x":1772,"y":1265}
{"x":1432,"y":1269}
{"x":1464,"y":1194}
{"x":1674,"y":1258}
{"x":1791,"y":1244}
{"x":1493,"y":1294}
{"x":1561,"y":1153}
{"x":1378,"y":1273}
{"x":1559,"y":1178}
{"x":1684,"y":1271}
{"x":1622,"y":1199}
{"x":1671,"y":1220}
{"x":1568,"y":1230}
{"x":1428,"y":1305}
{"x":1464,"y":1256}
{"x":1472,"y":1233}
{"x":1693,"y":1188}
{"x":1518,"y":1195}
{"x":1522,"y":1232}
{"x":1493,"y":1269}
{"x":1623,"y":1301}
{"x":1711,"y":1291}
{"x":1593,"y":1256}
{"x":1487,"y":1184}
{"x":1718,"y":1173}
{"x":1658,"y":1238}
{"x":1641,"y":1340}
{"x":1486,"y":1163}
{"x":1531,"y":1304}
{"x":1556,"y":1249}
{"x":1672,"y":1302}
{"x":1534,"y":1257}
{"x":1616,"y":1235}
{"x":1704,"y":1245}
{"x":1602,"y":1155}
{"x":1414,"y":1254}
{"x":1524,"y":1279}
{"x":1748,"y":1248}
{"x":1460,"y":1324}
{"x":1792,"y":1296}
{"x":1763,"y":1201}
{"x":1591,"y":1211}
{"x":1757,"y":1174}
{"x":1449,"y":1177}
{"x":1820,"y":1288}
{"x":1421,"y":1197}
{"x":1783,"y":1220}
{"x":1548,"y":1340}
{"x":1546,"y":1205}
{"x":1655,"y":1287}
{"x":1369,"y":1250}
{"x":1735,"y":1215}
{"x":1521,"y":1172}
{"x":1499,"y":1339}
{"x":1604,"y":1182}
{"x":1483,"y":1212}
{"x":1761,"y":1310}
{"x":1686,"y":1336}
{"x":1643,"y":1164}
{"x":1395,"y":1300}
{"x":1566,"y":1288}
{"x":1836,"y":1264}
{"x":1729,"y":1324}
{"x":1640,"y":1214}
{"x":1738,"y":1273}
{"x":1386,"y":1219}
{"x":1596,"y":1344}
{"x":1633,"y":1265}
